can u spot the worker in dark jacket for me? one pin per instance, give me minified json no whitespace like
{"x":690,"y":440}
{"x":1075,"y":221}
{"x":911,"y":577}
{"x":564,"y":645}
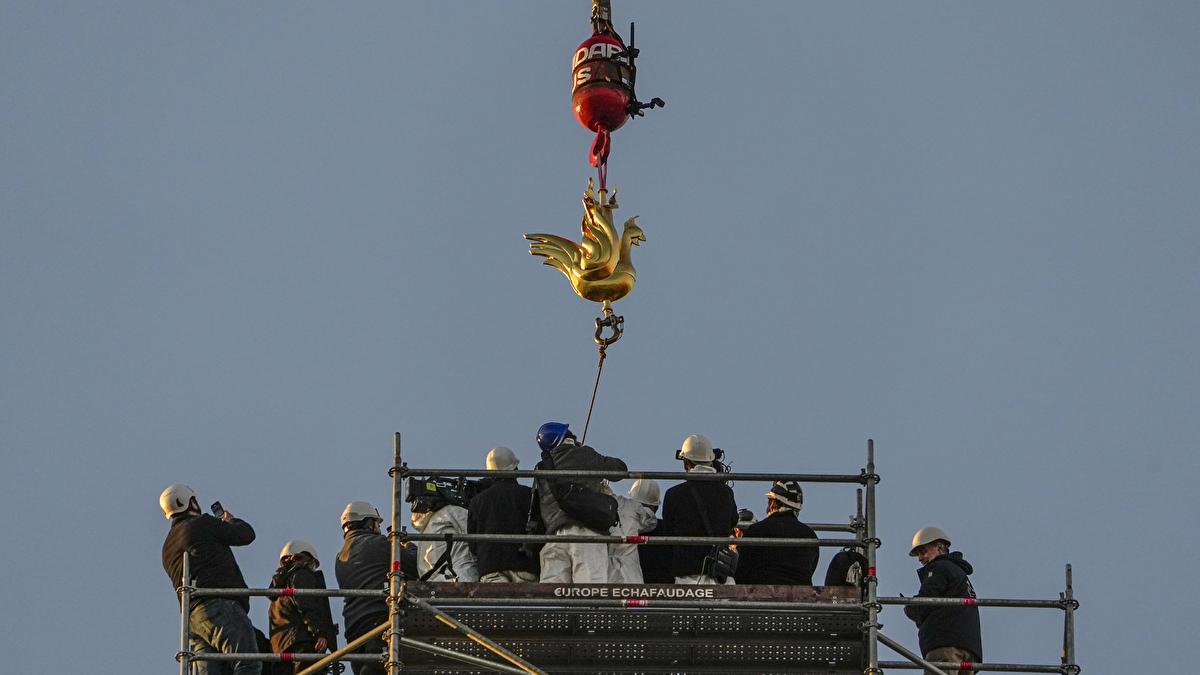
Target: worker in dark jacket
{"x":300,"y":624}
{"x":565,"y":563}
{"x":792,"y":565}
{"x":216,"y":624}
{"x":363,"y":563}
{"x":687,"y":507}
{"x":947,"y":634}
{"x":502,"y":508}
{"x":657,"y":561}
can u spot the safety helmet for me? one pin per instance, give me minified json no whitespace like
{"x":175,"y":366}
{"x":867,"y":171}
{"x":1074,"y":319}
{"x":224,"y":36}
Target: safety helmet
{"x":551,"y":434}
{"x":646,"y":491}
{"x":501,"y":459}
{"x":175,"y":499}
{"x":787,"y":493}
{"x":356,"y":511}
{"x":696,"y":448}
{"x":297,"y":546}
{"x":928,"y":535}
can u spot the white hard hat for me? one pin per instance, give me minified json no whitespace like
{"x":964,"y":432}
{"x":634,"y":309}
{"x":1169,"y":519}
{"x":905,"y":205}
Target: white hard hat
{"x":175,"y":499}
{"x":298,"y":546}
{"x":645,"y":491}
{"x":928,"y":535}
{"x":501,"y":459}
{"x":355,"y":511}
{"x":696,"y":448}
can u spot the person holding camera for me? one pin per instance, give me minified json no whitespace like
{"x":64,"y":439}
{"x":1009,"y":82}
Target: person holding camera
{"x":215,"y":624}
{"x":502,"y":508}
{"x":439,"y":507}
{"x":700,"y":508}
{"x":574,"y":507}
{"x":300,"y":624}
{"x":793,"y":565}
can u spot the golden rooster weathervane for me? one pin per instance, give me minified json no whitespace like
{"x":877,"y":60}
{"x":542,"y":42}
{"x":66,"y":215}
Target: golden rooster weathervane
{"x":599,"y":267}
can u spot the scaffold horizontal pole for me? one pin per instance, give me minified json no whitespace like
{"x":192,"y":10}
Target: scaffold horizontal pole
{"x":301,"y":658}
{"x":621,"y":475}
{"x":977,"y":667}
{"x":976,"y":602}
{"x":633,"y":539}
{"x":288,"y":592}
{"x":647,"y":603}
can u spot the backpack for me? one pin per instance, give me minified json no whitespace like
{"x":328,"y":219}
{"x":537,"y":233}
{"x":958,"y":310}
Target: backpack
{"x":595,"y":510}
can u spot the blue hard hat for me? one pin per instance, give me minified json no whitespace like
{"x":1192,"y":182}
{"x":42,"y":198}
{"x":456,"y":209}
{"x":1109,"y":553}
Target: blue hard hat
{"x":551,"y":434}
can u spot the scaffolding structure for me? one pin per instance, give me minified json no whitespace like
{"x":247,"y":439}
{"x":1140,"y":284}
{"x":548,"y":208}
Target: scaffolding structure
{"x":765,"y":628}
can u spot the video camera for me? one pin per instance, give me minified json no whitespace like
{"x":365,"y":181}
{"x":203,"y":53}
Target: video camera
{"x":430,"y":494}
{"x":718,"y":455}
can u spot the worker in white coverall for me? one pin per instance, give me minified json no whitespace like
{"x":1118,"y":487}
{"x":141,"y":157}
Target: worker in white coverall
{"x":638,"y":512}
{"x":433,"y":513}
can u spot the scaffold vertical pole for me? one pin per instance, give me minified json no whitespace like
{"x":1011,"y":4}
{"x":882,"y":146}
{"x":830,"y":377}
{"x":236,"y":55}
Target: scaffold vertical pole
{"x":185,"y":618}
{"x":395,"y":579}
{"x":1068,"y":652}
{"x":872,"y":542}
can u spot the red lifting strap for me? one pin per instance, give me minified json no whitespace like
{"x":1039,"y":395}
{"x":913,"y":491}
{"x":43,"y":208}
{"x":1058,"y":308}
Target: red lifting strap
{"x":600,"y":147}
{"x":396,"y":566}
{"x":870,"y":571}
{"x":289,"y":592}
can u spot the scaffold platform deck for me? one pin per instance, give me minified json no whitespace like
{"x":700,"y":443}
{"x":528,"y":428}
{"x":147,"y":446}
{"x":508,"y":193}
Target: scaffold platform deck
{"x":644,"y":638}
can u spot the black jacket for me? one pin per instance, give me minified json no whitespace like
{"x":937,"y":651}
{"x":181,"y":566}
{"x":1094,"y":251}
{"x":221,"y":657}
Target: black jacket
{"x":580,"y":458}
{"x":848,"y":568}
{"x":207,"y":539}
{"x":363,"y":562}
{"x":503,"y":508}
{"x":299,"y":620}
{"x":656,"y":561}
{"x":946,"y":577}
{"x":778,"y":564}
{"x":682,"y":519}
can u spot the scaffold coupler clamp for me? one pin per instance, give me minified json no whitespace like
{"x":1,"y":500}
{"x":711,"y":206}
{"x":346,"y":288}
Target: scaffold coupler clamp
{"x":612,"y":322}
{"x":866,"y":478}
{"x":180,"y":656}
{"x":402,"y":470}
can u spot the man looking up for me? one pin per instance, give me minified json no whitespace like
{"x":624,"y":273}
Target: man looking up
{"x":565,"y":563}
{"x":698,"y":508}
{"x":502,"y":508}
{"x":363,"y":563}
{"x":216,"y":624}
{"x":779,"y":564}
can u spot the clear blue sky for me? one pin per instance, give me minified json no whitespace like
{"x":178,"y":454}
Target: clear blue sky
{"x":241,"y":244}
